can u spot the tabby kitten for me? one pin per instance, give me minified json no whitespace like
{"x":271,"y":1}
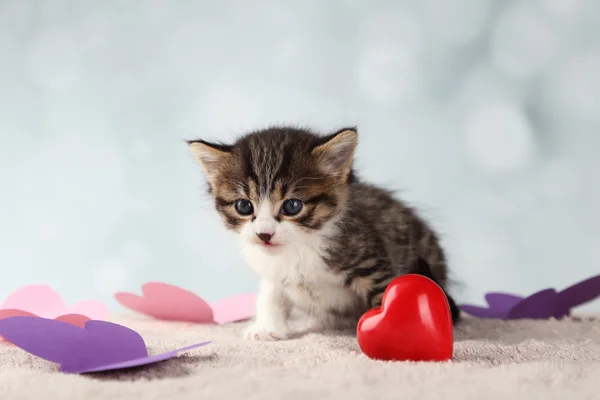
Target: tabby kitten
{"x":324,"y":243}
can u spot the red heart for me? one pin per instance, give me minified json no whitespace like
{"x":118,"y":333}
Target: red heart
{"x":413,"y":324}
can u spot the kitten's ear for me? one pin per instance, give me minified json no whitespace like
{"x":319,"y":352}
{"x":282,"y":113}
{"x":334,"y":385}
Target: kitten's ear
{"x":212,"y":157}
{"x":335,"y":156}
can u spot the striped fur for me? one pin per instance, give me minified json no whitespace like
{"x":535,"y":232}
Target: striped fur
{"x":332,"y":261}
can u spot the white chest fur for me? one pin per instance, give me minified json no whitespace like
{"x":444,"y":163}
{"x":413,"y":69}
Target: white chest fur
{"x":299,"y":269}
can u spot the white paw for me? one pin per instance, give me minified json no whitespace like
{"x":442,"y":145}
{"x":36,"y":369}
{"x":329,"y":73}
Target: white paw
{"x":258,"y":331}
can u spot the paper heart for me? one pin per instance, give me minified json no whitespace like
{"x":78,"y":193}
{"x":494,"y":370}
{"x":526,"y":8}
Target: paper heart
{"x":73,"y":319}
{"x":414,"y":323}
{"x":168,"y":302}
{"x":172,"y":303}
{"x":234,"y":309}
{"x":98,"y":346}
{"x":502,"y":301}
{"x":576,"y":295}
{"x":43,"y":301}
{"x":543,"y":304}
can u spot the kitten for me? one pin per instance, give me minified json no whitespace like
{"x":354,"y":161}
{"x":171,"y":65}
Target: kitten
{"x":324,"y":243}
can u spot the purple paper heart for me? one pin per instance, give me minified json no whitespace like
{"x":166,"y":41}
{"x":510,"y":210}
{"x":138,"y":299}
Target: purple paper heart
{"x":499,"y":306}
{"x":546,"y":303}
{"x":576,"y":295}
{"x":98,"y":346}
{"x":539,"y":305}
{"x":507,"y":306}
{"x":502,"y":301}
{"x":482,"y":312}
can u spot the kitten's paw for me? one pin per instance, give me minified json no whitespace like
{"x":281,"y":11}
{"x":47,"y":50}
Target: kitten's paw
{"x":258,"y":331}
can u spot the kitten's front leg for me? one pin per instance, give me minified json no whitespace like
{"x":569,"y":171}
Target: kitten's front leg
{"x":272,"y":313}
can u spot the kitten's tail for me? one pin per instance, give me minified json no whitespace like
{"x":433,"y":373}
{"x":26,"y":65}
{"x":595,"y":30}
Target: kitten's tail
{"x":422,"y":267}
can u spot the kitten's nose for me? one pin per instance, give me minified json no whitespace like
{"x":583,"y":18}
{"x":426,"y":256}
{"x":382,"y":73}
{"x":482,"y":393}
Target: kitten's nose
{"x":265,"y":237}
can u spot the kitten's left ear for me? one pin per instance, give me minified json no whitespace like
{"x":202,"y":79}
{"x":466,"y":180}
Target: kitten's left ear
{"x":335,"y":156}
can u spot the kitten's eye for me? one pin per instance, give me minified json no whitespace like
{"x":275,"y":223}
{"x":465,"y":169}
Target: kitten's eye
{"x":244,"y":207}
{"x":291,"y":207}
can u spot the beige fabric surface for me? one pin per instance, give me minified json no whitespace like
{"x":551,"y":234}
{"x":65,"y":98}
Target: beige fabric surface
{"x":492,"y":360}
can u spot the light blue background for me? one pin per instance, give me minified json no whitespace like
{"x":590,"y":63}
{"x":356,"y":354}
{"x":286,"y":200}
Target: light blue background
{"x":484,"y":114}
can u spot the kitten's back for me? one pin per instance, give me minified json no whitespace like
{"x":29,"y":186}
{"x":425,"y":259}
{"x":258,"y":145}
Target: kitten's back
{"x":379,"y":238}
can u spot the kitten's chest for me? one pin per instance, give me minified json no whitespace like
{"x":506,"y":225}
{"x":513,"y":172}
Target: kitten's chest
{"x":305,"y":276}
{"x":321,"y":297}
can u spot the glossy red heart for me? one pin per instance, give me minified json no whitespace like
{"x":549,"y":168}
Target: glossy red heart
{"x":414,"y":323}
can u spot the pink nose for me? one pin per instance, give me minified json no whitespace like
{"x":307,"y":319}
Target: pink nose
{"x":265,"y":237}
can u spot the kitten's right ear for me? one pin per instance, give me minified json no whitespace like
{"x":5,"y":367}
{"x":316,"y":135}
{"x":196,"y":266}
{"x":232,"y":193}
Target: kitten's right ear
{"x":212,"y":157}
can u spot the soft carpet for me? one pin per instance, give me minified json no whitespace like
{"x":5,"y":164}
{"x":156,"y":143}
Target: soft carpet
{"x":492,"y":360}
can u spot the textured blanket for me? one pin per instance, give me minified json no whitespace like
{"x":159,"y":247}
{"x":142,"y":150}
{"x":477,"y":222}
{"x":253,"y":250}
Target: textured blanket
{"x":492,"y":360}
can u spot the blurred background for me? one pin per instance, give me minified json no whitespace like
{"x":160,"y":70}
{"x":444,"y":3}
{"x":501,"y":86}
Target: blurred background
{"x":484,"y":114}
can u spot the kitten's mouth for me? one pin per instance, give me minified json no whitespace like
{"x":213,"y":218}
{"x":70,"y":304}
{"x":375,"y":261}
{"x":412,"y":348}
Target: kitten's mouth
{"x":269,"y":244}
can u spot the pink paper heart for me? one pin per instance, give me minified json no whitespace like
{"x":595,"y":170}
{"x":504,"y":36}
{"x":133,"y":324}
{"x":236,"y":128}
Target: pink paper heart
{"x":41,"y":300}
{"x":172,"y":303}
{"x":15,"y":313}
{"x":45,"y":302}
{"x":235,"y":309}
{"x":74,"y":319}
{"x":93,"y":309}
{"x":168,"y":302}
